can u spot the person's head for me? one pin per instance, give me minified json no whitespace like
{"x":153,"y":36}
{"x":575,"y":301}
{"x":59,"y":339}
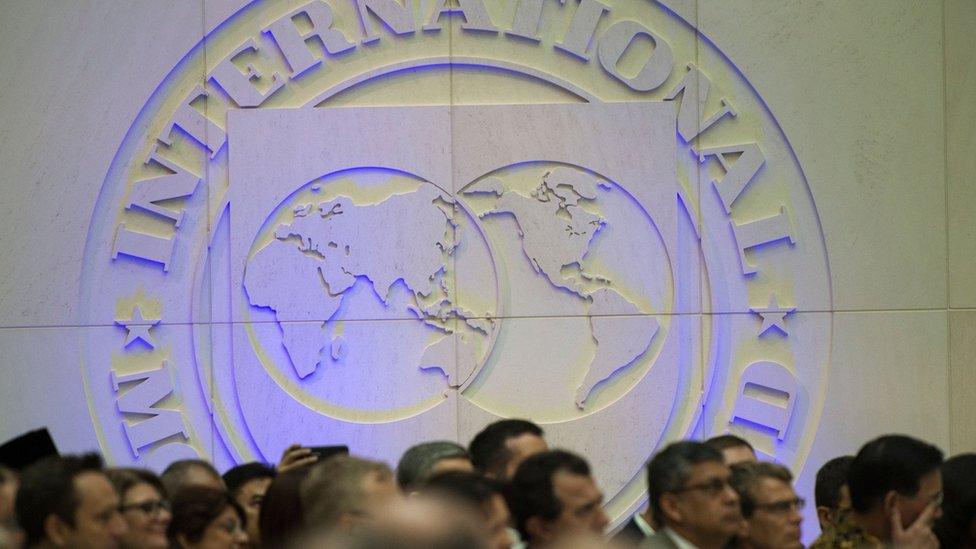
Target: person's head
{"x":281,"y":516}
{"x":553,"y":495}
{"x":427,"y":459}
{"x":206,"y":518}
{"x":345,"y":492}
{"x":9,"y":480}
{"x":483,"y":494}
{"x":769,"y":505}
{"x":894,"y":472}
{"x":734,"y":449}
{"x":69,"y":502}
{"x":499,"y":448}
{"x":190,"y":472}
{"x":689,"y":492}
{"x":419,"y":522}
{"x":144,"y":507}
{"x":831,"y":493}
{"x":957,"y":525}
{"x":247,"y":484}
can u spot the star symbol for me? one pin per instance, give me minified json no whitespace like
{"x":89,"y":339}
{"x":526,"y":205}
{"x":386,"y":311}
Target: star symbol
{"x":138,"y":328}
{"x":773,"y":316}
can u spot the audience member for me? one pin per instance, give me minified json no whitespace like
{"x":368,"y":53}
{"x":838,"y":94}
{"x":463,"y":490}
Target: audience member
{"x":281,"y":517}
{"x":957,"y":525}
{"x":190,"y":472}
{"x":831,"y":493}
{"x":345,"y":492}
{"x":896,"y":492}
{"x":769,"y":506}
{"x":426,"y":459}
{"x":8,"y":489}
{"x":247,"y":484}
{"x":144,"y":507}
{"x":553,"y":495}
{"x":734,"y":449}
{"x":500,"y":447}
{"x":691,"y":498}
{"x":69,"y":502}
{"x":206,"y":518}
{"x":483,"y":494}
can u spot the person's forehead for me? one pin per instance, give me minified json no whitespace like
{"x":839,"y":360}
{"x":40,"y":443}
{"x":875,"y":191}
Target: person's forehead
{"x":568,"y":486}
{"x":769,"y":489}
{"x":141,"y":492}
{"x":526,"y":443}
{"x":738,"y":454}
{"x":94,"y":489}
{"x":931,"y":482}
{"x":256,"y":486}
{"x":708,"y":470}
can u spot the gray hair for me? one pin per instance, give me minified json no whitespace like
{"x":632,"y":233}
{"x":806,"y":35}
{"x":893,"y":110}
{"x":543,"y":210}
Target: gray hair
{"x":419,"y":460}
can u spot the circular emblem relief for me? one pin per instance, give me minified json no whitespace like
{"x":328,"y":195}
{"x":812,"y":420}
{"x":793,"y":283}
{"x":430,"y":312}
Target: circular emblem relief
{"x":582,"y":215}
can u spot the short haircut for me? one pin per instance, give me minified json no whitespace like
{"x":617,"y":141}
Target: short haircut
{"x":953,"y":528}
{"x":670,"y":469}
{"x":126,"y":478}
{"x":281,"y":516}
{"x":830,"y":478}
{"x":418,"y":461}
{"x":174,"y":476}
{"x":470,"y":488}
{"x":745,"y":477}
{"x":531,"y":494}
{"x":488,"y":451}
{"x":892,"y":462}
{"x":48,"y":488}
{"x":335,"y":487}
{"x":721,"y":442}
{"x":236,"y":477}
{"x":194,"y":508}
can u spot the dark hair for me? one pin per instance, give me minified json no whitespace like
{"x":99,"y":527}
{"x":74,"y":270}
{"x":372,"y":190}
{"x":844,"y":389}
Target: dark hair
{"x":174,"y":476}
{"x":417,"y":462}
{"x":958,"y":503}
{"x":236,"y":477}
{"x":48,"y":488}
{"x":488,"y":451}
{"x":721,"y":442}
{"x":194,"y":508}
{"x":745,"y":476}
{"x":830,"y":478}
{"x":470,"y":488}
{"x":892,"y":462}
{"x":281,"y":514}
{"x":126,"y":478}
{"x":669,"y":470}
{"x":530,"y":493}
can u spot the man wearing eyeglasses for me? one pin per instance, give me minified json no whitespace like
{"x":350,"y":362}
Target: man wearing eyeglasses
{"x":692,"y":498}
{"x":769,"y":505}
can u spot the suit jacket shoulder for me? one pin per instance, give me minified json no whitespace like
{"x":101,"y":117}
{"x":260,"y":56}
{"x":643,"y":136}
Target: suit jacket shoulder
{"x":659,"y":540}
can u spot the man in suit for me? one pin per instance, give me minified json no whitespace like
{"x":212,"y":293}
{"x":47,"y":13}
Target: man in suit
{"x":691,"y":498}
{"x":769,"y":505}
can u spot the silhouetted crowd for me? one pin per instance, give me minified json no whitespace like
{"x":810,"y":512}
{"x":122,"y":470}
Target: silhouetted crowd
{"x":506,"y":489}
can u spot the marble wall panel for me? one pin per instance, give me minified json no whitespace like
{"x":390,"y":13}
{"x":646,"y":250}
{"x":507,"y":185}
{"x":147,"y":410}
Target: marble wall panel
{"x":962,"y":381}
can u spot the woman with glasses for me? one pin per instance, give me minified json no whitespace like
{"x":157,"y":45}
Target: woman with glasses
{"x":207,"y":518}
{"x":143,"y":506}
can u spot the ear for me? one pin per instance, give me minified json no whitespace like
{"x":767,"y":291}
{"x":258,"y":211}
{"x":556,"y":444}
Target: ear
{"x":57,"y":530}
{"x":889,"y":502}
{"x":823,"y":515}
{"x":671,"y":509}
{"x":538,"y":529}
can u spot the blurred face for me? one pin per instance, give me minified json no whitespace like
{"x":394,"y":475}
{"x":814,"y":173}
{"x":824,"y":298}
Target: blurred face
{"x":738,"y":454}
{"x":706,"y":510}
{"x":929,"y":492}
{"x":379,"y":494}
{"x":251,"y":496}
{"x":225,"y":532}
{"x":775,"y":523}
{"x":521,"y":447}
{"x":497,"y":525}
{"x":147,"y":517}
{"x":8,"y":488}
{"x":582,"y":511}
{"x":98,"y":522}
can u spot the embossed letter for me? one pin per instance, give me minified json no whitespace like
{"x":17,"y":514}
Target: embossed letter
{"x":656,"y":69}
{"x":528,"y":15}
{"x":237,"y":84}
{"x":766,"y":397}
{"x":178,"y":184}
{"x":582,"y":28}
{"x":293,"y":44}
{"x":737,"y":175}
{"x":145,"y":246}
{"x":475,"y":15}
{"x":193,"y":122}
{"x":151,"y":388}
{"x":691,"y":122}
{"x":761,"y":231}
{"x":399,"y":18}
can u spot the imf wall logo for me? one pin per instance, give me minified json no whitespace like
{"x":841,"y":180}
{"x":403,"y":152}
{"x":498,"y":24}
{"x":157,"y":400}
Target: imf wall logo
{"x":371,"y":223}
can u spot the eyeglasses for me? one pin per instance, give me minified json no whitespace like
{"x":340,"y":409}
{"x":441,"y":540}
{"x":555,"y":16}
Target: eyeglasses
{"x":151,"y":507}
{"x":782,"y":507}
{"x":712,"y":488}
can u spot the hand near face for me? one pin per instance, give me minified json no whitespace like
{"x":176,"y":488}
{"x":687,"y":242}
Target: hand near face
{"x":296,"y":456}
{"x":919,"y":534}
